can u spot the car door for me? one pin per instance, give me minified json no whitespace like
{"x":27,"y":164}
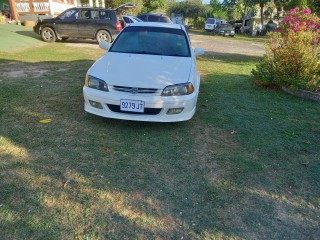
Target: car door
{"x":66,"y":25}
{"x":87,"y":23}
{"x":108,"y":20}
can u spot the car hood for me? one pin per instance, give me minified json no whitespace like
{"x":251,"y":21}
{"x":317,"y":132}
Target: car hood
{"x":47,"y":20}
{"x":140,"y":70}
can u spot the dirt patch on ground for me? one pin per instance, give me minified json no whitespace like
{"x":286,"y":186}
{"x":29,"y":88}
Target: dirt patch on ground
{"x":15,"y":70}
{"x":219,"y":44}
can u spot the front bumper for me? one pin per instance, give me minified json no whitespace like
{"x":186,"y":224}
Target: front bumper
{"x":227,"y":33}
{"x":158,"y":103}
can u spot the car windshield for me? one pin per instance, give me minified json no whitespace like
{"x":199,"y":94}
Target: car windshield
{"x":153,"y":41}
{"x":226,"y":27}
{"x":210,"y":21}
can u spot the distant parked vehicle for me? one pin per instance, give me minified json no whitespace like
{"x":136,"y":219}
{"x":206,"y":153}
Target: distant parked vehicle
{"x":131,"y":19}
{"x":153,"y":17}
{"x":83,"y":22}
{"x":212,"y":23}
{"x":226,"y":30}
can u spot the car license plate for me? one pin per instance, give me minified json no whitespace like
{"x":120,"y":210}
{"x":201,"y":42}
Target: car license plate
{"x":131,"y":105}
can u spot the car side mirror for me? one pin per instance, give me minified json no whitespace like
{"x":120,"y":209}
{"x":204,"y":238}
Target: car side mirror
{"x":104,"y":45}
{"x":198,"y":51}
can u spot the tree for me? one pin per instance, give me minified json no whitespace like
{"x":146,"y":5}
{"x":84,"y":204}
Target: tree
{"x":189,"y":9}
{"x":316,"y":6}
{"x":216,"y":10}
{"x":262,"y":4}
{"x":239,"y":8}
{"x":301,"y":4}
{"x":151,"y":5}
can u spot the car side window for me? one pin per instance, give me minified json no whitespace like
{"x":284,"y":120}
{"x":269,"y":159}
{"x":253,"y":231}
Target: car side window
{"x":94,"y":14}
{"x":71,"y":14}
{"x":104,"y":15}
{"x":143,"y":17}
{"x":86,"y":14}
{"x":153,"y":18}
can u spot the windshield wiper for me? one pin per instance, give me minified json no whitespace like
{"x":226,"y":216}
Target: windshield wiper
{"x":145,"y":52}
{"x":175,"y":55}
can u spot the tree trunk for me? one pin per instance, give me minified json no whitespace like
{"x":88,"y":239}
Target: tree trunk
{"x":261,"y":14}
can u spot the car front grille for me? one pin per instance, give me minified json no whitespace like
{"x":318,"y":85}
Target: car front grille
{"x":147,"y":111}
{"x":134,"y":90}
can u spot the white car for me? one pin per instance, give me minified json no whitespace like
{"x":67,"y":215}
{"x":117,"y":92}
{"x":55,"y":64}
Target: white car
{"x":148,"y":74}
{"x":210,"y":24}
{"x":131,"y":19}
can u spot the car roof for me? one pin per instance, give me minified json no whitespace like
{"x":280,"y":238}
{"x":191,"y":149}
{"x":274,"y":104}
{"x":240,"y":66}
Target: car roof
{"x":96,"y":8}
{"x":157,"y":24}
{"x":154,"y":14}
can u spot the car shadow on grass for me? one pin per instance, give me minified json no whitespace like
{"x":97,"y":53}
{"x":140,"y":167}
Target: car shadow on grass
{"x":29,"y":34}
{"x":32,"y":34}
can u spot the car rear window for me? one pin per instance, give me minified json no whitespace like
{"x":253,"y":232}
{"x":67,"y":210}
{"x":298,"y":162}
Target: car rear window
{"x":165,"y":19}
{"x":141,"y":40}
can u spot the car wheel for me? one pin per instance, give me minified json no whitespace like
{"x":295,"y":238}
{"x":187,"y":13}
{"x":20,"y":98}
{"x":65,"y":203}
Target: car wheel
{"x":103,"y":36}
{"x":48,"y":35}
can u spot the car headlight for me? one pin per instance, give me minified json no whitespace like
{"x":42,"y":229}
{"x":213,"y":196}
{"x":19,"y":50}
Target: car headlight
{"x":96,"y":83}
{"x":178,"y":90}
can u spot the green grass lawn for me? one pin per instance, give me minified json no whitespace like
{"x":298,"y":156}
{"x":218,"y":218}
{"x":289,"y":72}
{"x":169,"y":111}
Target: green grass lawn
{"x":15,"y":38}
{"x":245,"y":167}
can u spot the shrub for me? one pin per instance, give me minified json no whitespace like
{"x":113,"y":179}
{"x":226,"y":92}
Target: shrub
{"x":292,"y":56}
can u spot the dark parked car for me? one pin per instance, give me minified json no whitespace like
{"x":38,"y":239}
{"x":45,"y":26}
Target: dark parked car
{"x":225,"y":30}
{"x":153,"y":17}
{"x":131,"y":19}
{"x":83,"y":22}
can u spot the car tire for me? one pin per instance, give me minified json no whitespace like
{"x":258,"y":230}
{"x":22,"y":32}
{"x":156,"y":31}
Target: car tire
{"x":48,"y":35}
{"x":103,"y":36}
